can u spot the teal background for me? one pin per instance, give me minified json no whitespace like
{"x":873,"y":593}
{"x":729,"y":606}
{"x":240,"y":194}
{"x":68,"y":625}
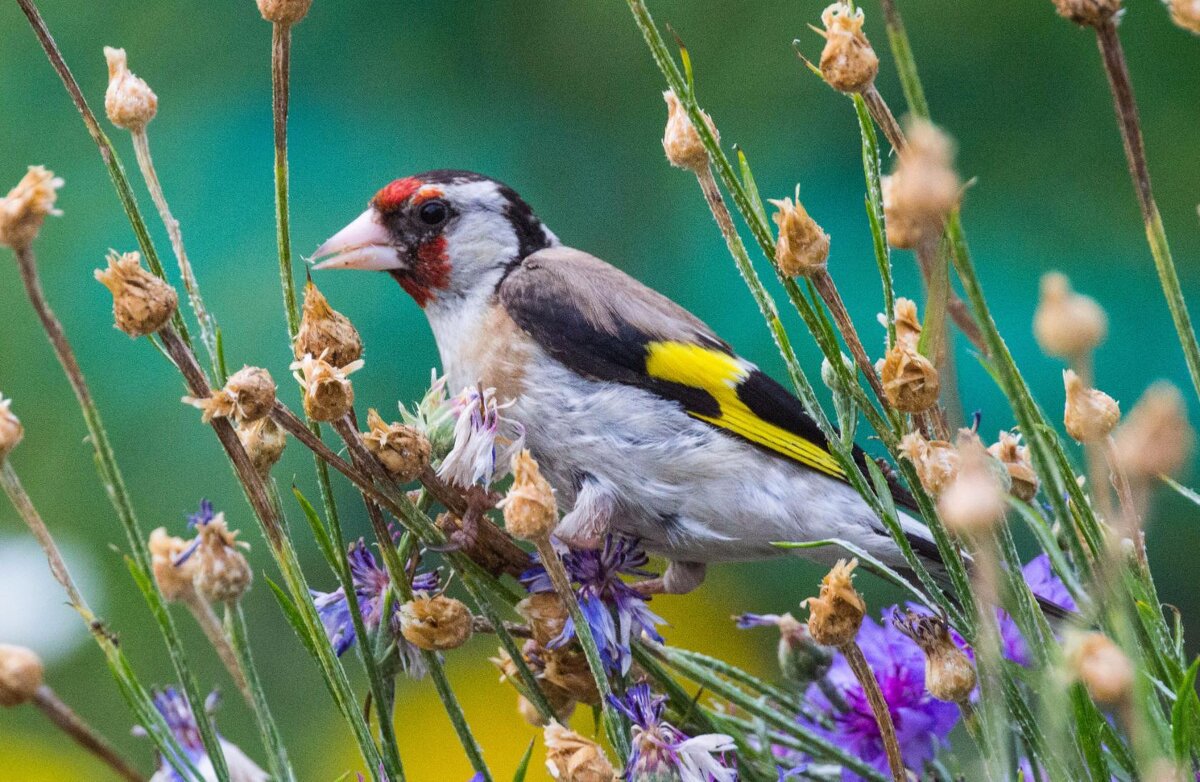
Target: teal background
{"x":562,"y":101}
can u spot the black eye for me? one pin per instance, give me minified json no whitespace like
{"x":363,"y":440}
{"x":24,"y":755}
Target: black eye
{"x":433,"y":212}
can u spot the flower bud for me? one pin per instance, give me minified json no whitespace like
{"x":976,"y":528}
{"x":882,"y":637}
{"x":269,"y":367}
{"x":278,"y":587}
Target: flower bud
{"x":402,"y":450}
{"x":949,"y":674}
{"x":1155,"y":438}
{"x":264,"y":442}
{"x":1090,"y":414}
{"x":328,"y":394}
{"x":567,"y":667}
{"x":20,"y":675}
{"x":1067,"y":324}
{"x":681,"y":142}
{"x":923,"y":189}
{"x":128,"y":101}
{"x":1101,"y":665}
{"x":11,"y":430}
{"x":1015,"y":458}
{"x":325,"y":332}
{"x":24,"y":209}
{"x":435,"y":623}
{"x":1089,"y":13}
{"x":142,"y":302}
{"x":222,"y":573}
{"x":174,"y":573}
{"x":908,"y":322}
{"x":573,"y":758}
{"x":285,"y":12}
{"x":802,"y":248}
{"x":936,"y":461}
{"x":848,"y":63}
{"x":1186,"y":14}
{"x":546,"y":614}
{"x":910,"y":381}
{"x":248,"y":395}
{"x":837,"y":612}
{"x":973,"y":503}
{"x":530,"y":510}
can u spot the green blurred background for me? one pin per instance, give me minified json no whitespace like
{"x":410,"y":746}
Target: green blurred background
{"x":562,"y":101}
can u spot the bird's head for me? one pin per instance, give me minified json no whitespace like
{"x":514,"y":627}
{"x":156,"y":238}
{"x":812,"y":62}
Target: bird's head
{"x":444,"y":235}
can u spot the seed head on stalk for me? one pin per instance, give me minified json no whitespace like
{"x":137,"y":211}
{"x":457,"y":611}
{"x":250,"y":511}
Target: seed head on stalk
{"x":26,"y":206}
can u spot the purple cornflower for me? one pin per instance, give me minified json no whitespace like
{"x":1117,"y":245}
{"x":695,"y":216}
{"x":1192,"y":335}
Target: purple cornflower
{"x":179,"y":718}
{"x":1044,"y":584}
{"x":922,"y":722}
{"x":661,"y":752}
{"x":483,"y":438}
{"x":370,"y":586}
{"x":602,"y":593}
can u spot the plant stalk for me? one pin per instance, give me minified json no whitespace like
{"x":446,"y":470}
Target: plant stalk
{"x":879,"y":707}
{"x":70,"y":723}
{"x":207,"y":619}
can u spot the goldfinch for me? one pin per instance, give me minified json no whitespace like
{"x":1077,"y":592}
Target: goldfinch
{"x":644,"y":421}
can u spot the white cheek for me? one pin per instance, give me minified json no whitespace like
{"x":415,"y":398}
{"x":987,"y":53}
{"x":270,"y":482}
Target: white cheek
{"x":479,"y":244}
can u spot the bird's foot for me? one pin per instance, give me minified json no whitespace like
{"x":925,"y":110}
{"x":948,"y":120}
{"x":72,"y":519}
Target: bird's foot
{"x":678,"y":579}
{"x":587,"y":524}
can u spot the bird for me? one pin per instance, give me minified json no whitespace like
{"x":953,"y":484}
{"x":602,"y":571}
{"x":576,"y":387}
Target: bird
{"x":644,"y":421}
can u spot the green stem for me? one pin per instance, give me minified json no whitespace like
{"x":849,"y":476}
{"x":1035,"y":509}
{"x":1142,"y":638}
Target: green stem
{"x":281,"y":767}
{"x":879,"y":707}
{"x":906,"y":65}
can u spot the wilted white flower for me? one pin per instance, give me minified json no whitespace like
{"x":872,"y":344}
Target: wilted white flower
{"x":483,"y":438}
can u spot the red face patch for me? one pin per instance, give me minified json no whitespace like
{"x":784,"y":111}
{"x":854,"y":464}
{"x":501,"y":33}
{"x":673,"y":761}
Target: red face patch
{"x":425,"y":194}
{"x":394,"y":194}
{"x":430,"y":274}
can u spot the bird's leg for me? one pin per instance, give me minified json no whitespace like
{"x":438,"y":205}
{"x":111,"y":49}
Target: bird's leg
{"x":678,"y":579}
{"x":466,"y":537}
{"x":586,"y":525}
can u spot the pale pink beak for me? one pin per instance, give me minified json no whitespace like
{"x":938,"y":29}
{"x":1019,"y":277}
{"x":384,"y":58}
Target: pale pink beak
{"x":364,"y":244}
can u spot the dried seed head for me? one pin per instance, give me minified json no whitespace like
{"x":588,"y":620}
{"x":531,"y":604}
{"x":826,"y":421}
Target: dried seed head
{"x":142,"y":303}
{"x":264,"y":442}
{"x":949,"y":673}
{"x":435,"y":623}
{"x":285,"y":12}
{"x":1090,"y":414}
{"x":248,"y":395}
{"x":530,"y":510}
{"x":1089,"y":13}
{"x":325,"y":332}
{"x":567,"y":667}
{"x":936,"y":461}
{"x":560,"y":701}
{"x":837,"y":612}
{"x":11,"y":430}
{"x":973,"y":504}
{"x":24,"y":209}
{"x":1015,"y":458}
{"x":402,"y":450}
{"x":222,"y":573}
{"x":1067,"y":324}
{"x":1101,"y":665}
{"x":848,"y":63}
{"x":546,"y":614}
{"x":20,"y":675}
{"x":1186,"y":14}
{"x":328,"y":393}
{"x":681,"y":142}
{"x":801,"y":659}
{"x":1155,"y":438}
{"x":802,"y":248}
{"x":908,"y":322}
{"x":923,"y":189}
{"x":129,"y":101}
{"x":175,"y":581}
{"x":910,"y":380}
{"x":573,"y":758}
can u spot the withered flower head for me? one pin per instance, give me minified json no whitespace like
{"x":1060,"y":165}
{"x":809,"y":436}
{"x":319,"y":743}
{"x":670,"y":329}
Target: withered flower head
{"x":1067,"y":324}
{"x":903,"y":232}
{"x":923,"y":189}
{"x":1015,"y":458}
{"x":949,"y":673}
{"x":325,"y":332}
{"x":284,"y":12}
{"x":802,"y":248}
{"x":128,"y":101}
{"x":1186,"y":14}
{"x":546,"y":614}
{"x":560,"y":701}
{"x":573,"y":758}
{"x":1090,"y":414}
{"x":1089,"y":13}
{"x":837,"y":612}
{"x":142,"y":303}
{"x":248,"y":395}
{"x":328,"y":393}
{"x":908,"y":322}
{"x":910,"y":381}
{"x":20,"y":675}
{"x":222,"y":573}
{"x":402,"y":450}
{"x":1101,"y":665}
{"x":681,"y":142}
{"x":174,"y":573}
{"x":974,"y":502}
{"x":530,"y":510}
{"x":435,"y":623}
{"x":24,"y":209}
{"x":936,"y":461}
{"x":567,"y":667}
{"x":1156,"y":437}
{"x":848,"y":63}
{"x":11,"y":430}
{"x":264,"y":442}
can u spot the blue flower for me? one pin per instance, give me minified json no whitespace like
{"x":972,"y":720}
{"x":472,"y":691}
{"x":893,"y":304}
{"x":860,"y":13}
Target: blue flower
{"x":612,"y":607}
{"x":1039,"y":575}
{"x":660,"y":752}
{"x":173,"y":707}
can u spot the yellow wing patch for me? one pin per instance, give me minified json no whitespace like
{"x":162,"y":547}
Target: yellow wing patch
{"x":719,"y":374}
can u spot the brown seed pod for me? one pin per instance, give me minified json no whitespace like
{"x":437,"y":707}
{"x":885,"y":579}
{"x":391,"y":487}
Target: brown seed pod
{"x":837,"y":612}
{"x":142,"y":302}
{"x":435,"y":623}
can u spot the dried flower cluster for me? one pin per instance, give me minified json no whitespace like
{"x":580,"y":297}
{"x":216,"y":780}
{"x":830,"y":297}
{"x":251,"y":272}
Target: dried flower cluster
{"x":848,"y":63}
{"x":1155,"y":438}
{"x":1186,"y":14}
{"x":936,"y":461}
{"x":910,"y":380}
{"x":974,"y":502}
{"x":20,"y":675}
{"x":248,"y":396}
{"x":211,"y":565}
{"x":129,"y":101}
{"x":142,"y":302}
{"x":284,"y":12}
{"x":681,"y":142}
{"x":802,"y":248}
{"x":1090,"y":414}
{"x":949,"y":673}
{"x":402,"y":450}
{"x":836,"y":613}
{"x":435,"y":623}
{"x":1067,"y":324}
{"x":325,"y":332}
{"x":573,"y":758}
{"x":1023,"y":481}
{"x":1101,"y":665}
{"x":923,"y":189}
{"x":328,"y":393}
{"x":530,"y":510}
{"x":11,"y":431}
{"x":24,"y":209}
{"x":1090,"y":13}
